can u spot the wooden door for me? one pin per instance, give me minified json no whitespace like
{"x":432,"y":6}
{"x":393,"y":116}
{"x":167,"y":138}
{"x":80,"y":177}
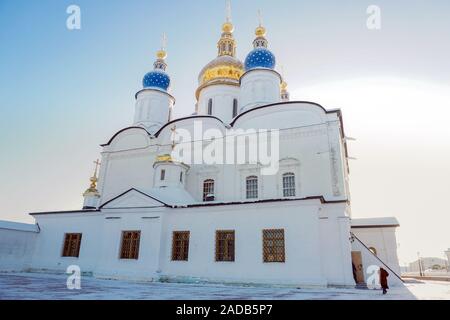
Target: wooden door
{"x":358,"y":267}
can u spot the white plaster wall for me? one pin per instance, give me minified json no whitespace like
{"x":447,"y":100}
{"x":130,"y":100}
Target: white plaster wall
{"x":126,"y":163}
{"x":100,"y":244}
{"x":148,"y":221}
{"x":16,"y":249}
{"x":222,"y":99}
{"x":310,"y":146}
{"x":307,"y":254}
{"x":303,"y":266}
{"x":336,"y":245}
{"x":259,"y":87}
{"x":384,"y":241}
{"x":153,"y":109}
{"x":50,"y":241}
{"x":370,"y":260}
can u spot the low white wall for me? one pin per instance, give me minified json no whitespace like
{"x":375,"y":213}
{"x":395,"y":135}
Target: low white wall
{"x":16,"y":247}
{"x":100,"y":244}
{"x":309,"y":259}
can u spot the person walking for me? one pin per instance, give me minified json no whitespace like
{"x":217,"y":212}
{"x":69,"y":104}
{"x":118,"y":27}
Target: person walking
{"x":383,"y":280}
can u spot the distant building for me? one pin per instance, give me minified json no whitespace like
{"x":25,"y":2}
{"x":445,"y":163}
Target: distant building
{"x":428,"y":263}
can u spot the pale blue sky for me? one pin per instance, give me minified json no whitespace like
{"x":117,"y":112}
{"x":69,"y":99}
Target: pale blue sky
{"x":62,"y":93}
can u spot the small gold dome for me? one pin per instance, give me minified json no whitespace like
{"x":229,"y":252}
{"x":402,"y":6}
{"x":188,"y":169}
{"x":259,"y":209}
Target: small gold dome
{"x":161,"y":54}
{"x":228,"y":27}
{"x":283,"y":85}
{"x":164,"y":158}
{"x":260,"y":31}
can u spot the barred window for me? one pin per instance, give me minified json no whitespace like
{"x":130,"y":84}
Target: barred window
{"x":235,"y":107}
{"x":72,"y":242}
{"x":252,"y":187}
{"x":225,"y":245}
{"x":130,"y":245}
{"x":210,"y":106}
{"x":288,"y":185}
{"x":273,"y":245}
{"x":208,"y":190}
{"x":180,"y":246}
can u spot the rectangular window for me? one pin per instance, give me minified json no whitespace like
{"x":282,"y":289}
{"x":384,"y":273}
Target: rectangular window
{"x":72,"y":242}
{"x":210,"y":105}
{"x":225,"y":245}
{"x":273,"y":245}
{"x":180,"y":246}
{"x":181,"y":177}
{"x":235,"y":107}
{"x":163,"y":174}
{"x":288,"y":185}
{"x":252,"y":187}
{"x":208,"y":190}
{"x":130,"y":245}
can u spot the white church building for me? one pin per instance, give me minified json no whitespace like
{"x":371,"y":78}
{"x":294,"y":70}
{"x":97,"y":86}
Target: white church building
{"x":148,"y":216}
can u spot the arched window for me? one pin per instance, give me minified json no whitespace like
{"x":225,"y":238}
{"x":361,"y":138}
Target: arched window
{"x":373,"y":250}
{"x":235,"y":107}
{"x":288,"y":185}
{"x":208,"y":190}
{"x":210,"y":106}
{"x":252,"y":187}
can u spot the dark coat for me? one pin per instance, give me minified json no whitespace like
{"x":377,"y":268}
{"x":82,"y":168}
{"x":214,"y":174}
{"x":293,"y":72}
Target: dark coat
{"x":383,"y":278}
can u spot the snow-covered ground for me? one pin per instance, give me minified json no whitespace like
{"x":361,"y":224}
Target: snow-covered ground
{"x":45,"y":286}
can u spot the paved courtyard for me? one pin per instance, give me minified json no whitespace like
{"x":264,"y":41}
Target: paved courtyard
{"x":45,"y":286}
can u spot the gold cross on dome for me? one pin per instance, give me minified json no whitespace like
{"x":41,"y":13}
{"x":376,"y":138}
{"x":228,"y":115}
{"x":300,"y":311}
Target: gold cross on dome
{"x":97,"y":163}
{"x":228,"y":11}
{"x":164,"y":42}
{"x":260,"y":19}
{"x":94,"y":179}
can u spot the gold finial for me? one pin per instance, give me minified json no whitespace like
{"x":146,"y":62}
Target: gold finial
{"x":260,"y":30}
{"x":92,"y":190}
{"x":162,"y":54}
{"x":228,"y":26}
{"x":163,"y":158}
{"x":94,"y":179}
{"x":283,"y":82}
{"x":168,"y":157}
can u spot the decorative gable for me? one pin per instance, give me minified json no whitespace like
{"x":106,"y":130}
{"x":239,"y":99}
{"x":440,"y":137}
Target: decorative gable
{"x":132,"y":199}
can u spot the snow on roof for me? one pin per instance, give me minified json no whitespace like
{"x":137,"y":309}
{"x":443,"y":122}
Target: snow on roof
{"x":172,"y":196}
{"x":375,"y":222}
{"x":10,"y":225}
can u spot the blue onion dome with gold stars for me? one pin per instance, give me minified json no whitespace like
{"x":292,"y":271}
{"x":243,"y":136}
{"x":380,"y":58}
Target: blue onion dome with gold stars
{"x":158,"y":78}
{"x":260,"y":56}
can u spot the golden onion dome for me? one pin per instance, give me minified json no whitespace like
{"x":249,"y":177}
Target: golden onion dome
{"x":164,"y":158}
{"x":223,"y":69}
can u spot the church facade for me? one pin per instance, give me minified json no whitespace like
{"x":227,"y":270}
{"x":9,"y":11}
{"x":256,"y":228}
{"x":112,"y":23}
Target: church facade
{"x":147,"y":215}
